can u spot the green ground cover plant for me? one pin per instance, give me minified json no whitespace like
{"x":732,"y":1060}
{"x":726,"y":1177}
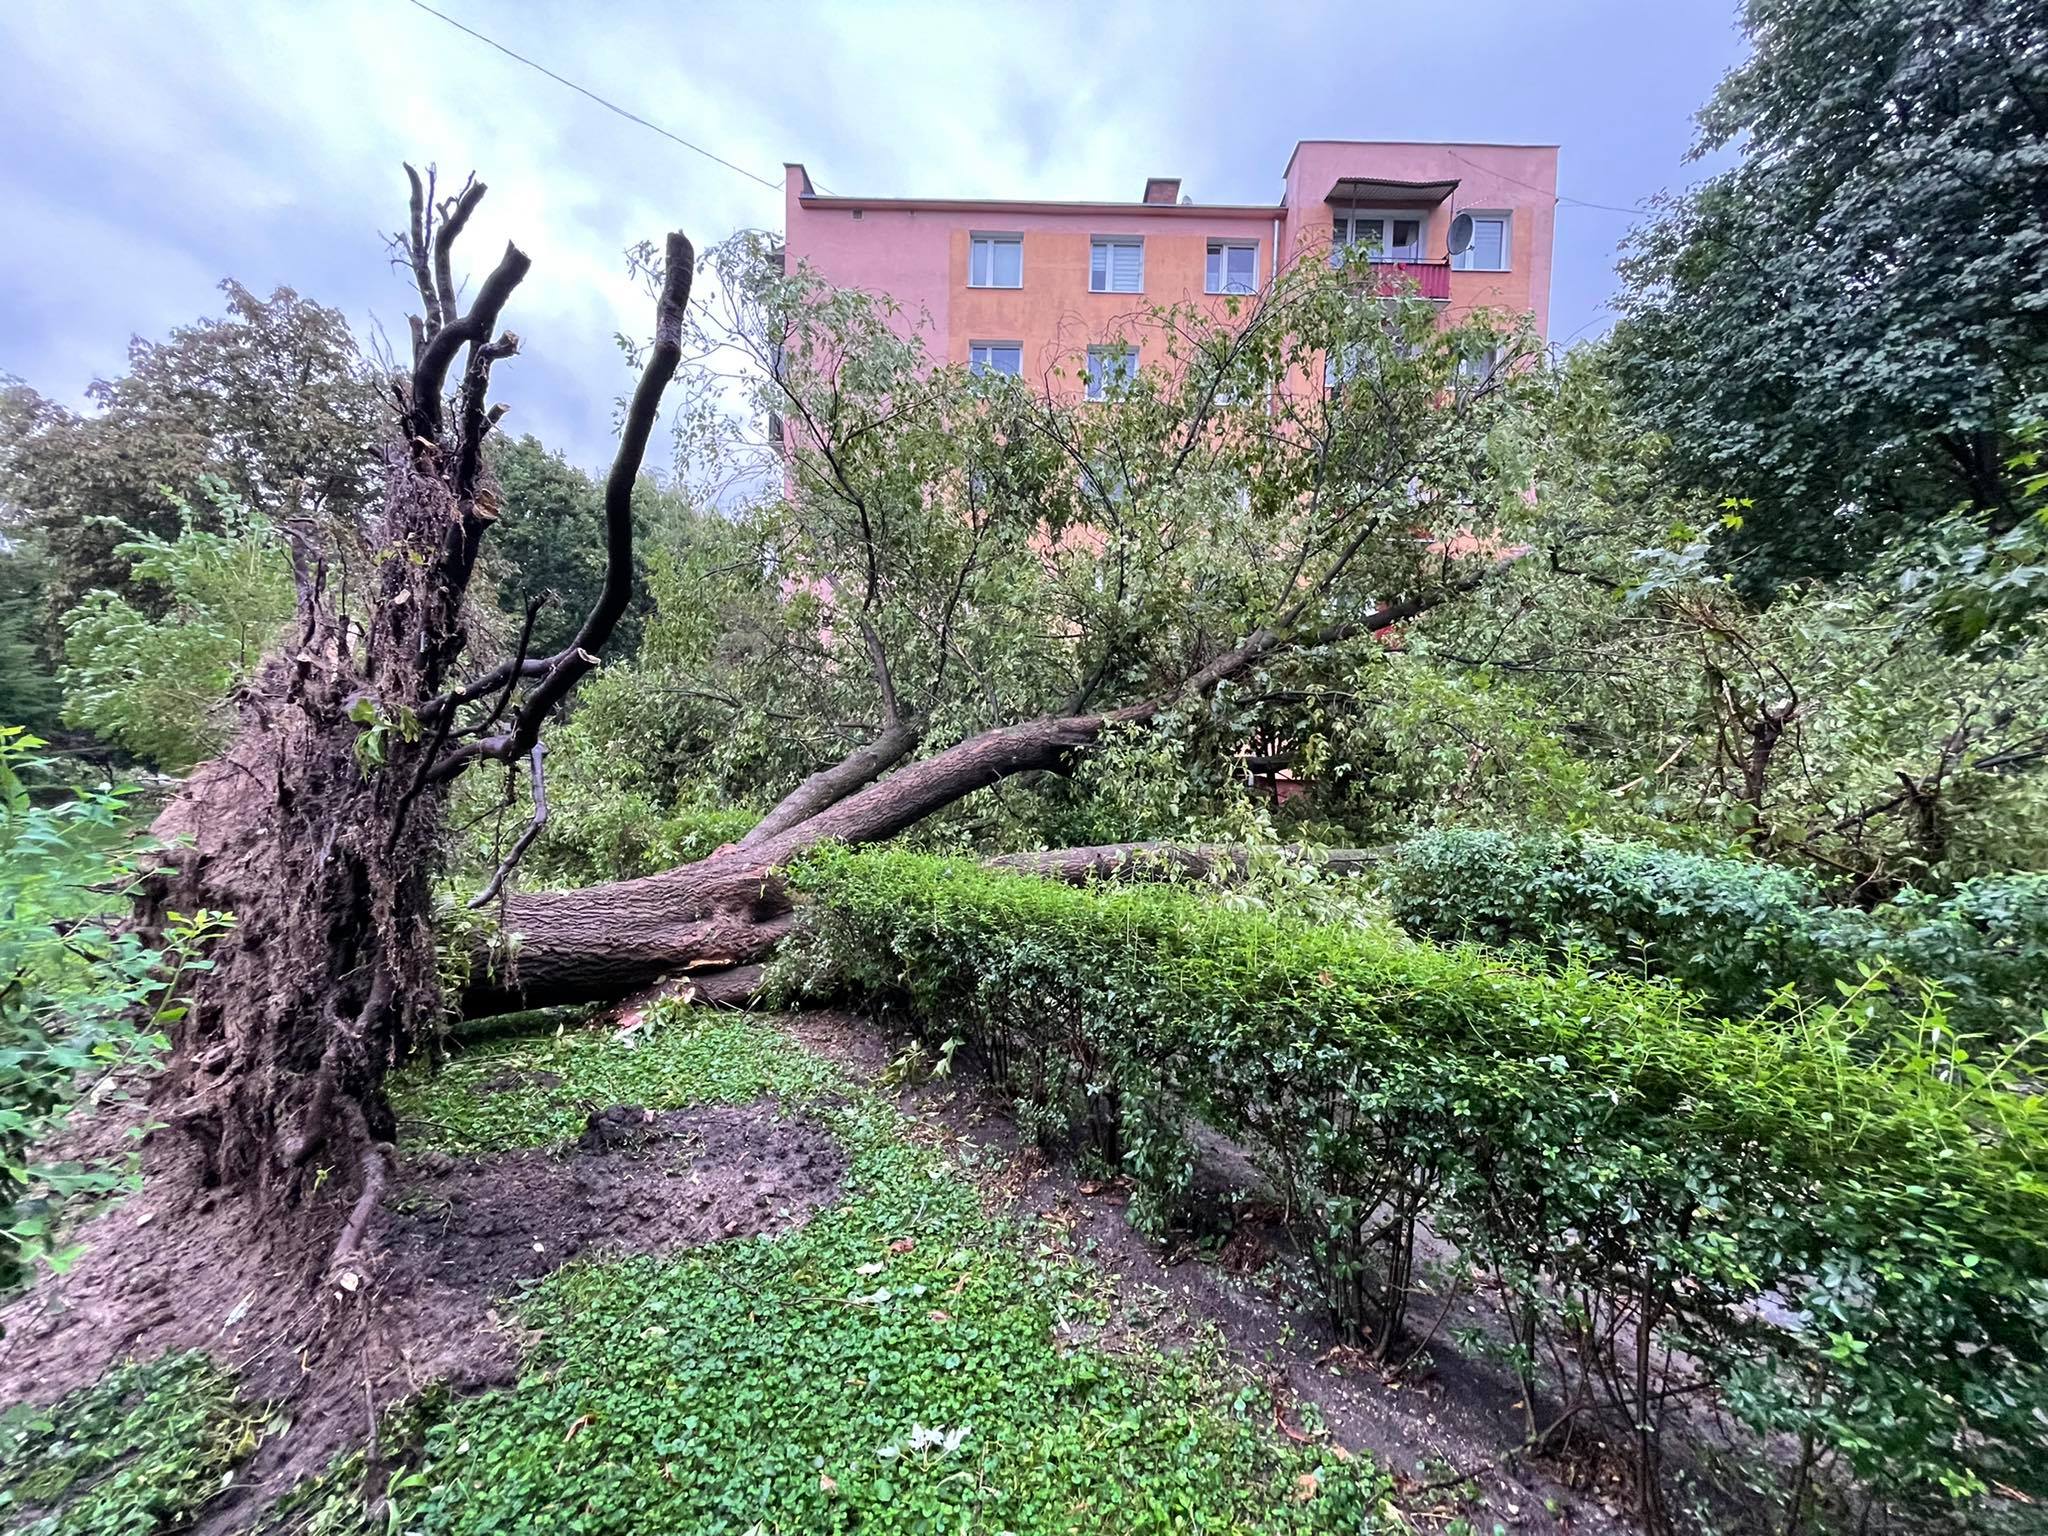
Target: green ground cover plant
{"x":1846,"y":1247}
{"x":79,"y":996}
{"x":903,"y":1363}
{"x":137,"y":1452}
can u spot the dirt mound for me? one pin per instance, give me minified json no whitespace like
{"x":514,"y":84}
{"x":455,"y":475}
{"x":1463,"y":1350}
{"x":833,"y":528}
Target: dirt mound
{"x":455,"y":1237}
{"x":636,"y":1182}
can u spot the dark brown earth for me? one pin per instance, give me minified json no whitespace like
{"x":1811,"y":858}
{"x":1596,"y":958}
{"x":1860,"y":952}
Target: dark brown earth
{"x":455,"y":1238}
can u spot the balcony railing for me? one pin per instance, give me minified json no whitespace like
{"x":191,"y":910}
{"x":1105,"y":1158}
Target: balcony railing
{"x":1432,"y":279}
{"x":1392,"y":274}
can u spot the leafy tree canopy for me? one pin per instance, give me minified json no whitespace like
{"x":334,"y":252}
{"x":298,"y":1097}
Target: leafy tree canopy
{"x":550,"y":542}
{"x":159,"y":687}
{"x":1845,"y":328}
{"x":273,"y":399}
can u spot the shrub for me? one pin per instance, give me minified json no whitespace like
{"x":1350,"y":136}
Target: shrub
{"x":76,"y":996}
{"x":158,"y":684}
{"x":1854,"y":1251}
{"x":1732,"y":930}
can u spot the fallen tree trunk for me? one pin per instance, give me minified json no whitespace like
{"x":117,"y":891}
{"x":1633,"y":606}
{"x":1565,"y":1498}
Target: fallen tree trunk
{"x":710,"y":924}
{"x":607,"y":942}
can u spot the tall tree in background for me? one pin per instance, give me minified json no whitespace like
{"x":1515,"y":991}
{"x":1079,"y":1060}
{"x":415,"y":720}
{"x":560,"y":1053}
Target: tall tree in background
{"x":549,"y":542}
{"x":272,"y":399}
{"x":29,"y":694}
{"x":1845,"y":328}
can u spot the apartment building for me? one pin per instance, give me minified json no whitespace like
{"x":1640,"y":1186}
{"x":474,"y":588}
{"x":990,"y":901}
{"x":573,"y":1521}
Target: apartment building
{"x":1020,"y":286}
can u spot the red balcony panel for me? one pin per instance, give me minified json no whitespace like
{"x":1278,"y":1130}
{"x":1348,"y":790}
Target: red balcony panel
{"x":1432,"y":279}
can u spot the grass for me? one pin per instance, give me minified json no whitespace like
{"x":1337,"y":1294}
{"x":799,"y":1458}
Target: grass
{"x":138,"y":1451}
{"x":903,"y":1363}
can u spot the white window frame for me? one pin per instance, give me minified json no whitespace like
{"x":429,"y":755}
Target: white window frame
{"x":1098,"y":242}
{"x":993,"y":238}
{"x":1120,"y":353}
{"x":1221,"y":245}
{"x":1462,"y":262}
{"x":1387,"y":215}
{"x":987,"y":365}
{"x":1476,"y":369}
{"x":1343,"y":364}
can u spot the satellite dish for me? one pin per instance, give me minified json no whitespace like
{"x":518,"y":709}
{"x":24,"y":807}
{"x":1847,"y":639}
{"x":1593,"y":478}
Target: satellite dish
{"x":1461,"y":234}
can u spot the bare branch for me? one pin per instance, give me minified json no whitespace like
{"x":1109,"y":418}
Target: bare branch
{"x":580,"y":657}
{"x":539,"y":781}
{"x":454,"y":214}
{"x":415,"y":239}
{"x":430,"y":374}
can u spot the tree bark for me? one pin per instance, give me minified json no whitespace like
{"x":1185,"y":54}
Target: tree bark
{"x":606,"y":942}
{"x":828,"y":786}
{"x":321,"y":826}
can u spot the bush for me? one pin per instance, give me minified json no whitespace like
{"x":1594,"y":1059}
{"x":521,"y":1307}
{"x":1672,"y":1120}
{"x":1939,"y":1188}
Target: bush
{"x":1855,"y":1252}
{"x":1732,"y":930}
{"x":76,"y":996}
{"x":157,"y":684}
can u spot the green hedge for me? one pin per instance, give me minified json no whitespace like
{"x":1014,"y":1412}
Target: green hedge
{"x":1731,"y":929}
{"x":1596,"y":1152}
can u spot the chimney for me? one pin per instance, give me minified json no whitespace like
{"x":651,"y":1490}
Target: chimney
{"x":1162,"y":189}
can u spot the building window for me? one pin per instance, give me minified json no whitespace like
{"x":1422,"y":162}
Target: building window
{"x":1004,"y":357}
{"x":1233,"y":266}
{"x":1110,"y":370}
{"x":995,"y":261}
{"x":1489,"y":249}
{"x":1481,"y":365}
{"x":1361,"y":359}
{"x":1381,"y":236}
{"x":1116,"y":266}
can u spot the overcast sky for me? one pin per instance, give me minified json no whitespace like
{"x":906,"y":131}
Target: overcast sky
{"x":157,"y":146}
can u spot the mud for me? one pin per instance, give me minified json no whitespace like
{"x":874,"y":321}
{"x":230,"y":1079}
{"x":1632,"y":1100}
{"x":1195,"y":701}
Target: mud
{"x":455,"y":1241}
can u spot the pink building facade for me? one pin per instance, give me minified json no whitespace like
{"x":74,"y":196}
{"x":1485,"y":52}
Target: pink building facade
{"x":1027,"y":286}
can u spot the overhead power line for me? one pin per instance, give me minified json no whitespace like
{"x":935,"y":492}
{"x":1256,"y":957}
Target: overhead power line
{"x":1576,"y":202}
{"x":608,"y":105}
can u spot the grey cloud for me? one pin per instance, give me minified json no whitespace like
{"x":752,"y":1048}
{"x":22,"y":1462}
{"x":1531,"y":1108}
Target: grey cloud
{"x":159,"y":147}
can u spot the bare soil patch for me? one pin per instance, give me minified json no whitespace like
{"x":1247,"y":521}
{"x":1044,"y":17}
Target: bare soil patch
{"x":455,"y":1239}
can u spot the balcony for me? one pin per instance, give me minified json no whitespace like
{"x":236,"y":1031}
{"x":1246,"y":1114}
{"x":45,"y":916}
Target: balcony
{"x":1432,"y":279}
{"x":1392,"y":275}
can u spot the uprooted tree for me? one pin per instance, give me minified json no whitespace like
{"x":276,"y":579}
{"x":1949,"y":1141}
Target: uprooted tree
{"x":965,"y":580}
{"x":968,"y":580}
{"x":321,"y":826}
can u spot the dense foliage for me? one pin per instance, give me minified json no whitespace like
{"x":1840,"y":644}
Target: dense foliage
{"x":272,"y":398}
{"x":78,"y":997}
{"x":1845,"y":1235}
{"x":942,"y":552}
{"x":29,"y":694}
{"x":158,"y":683}
{"x":1845,"y":327}
{"x":1732,"y":930}
{"x":549,"y":542}
{"x":141,"y":1450}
